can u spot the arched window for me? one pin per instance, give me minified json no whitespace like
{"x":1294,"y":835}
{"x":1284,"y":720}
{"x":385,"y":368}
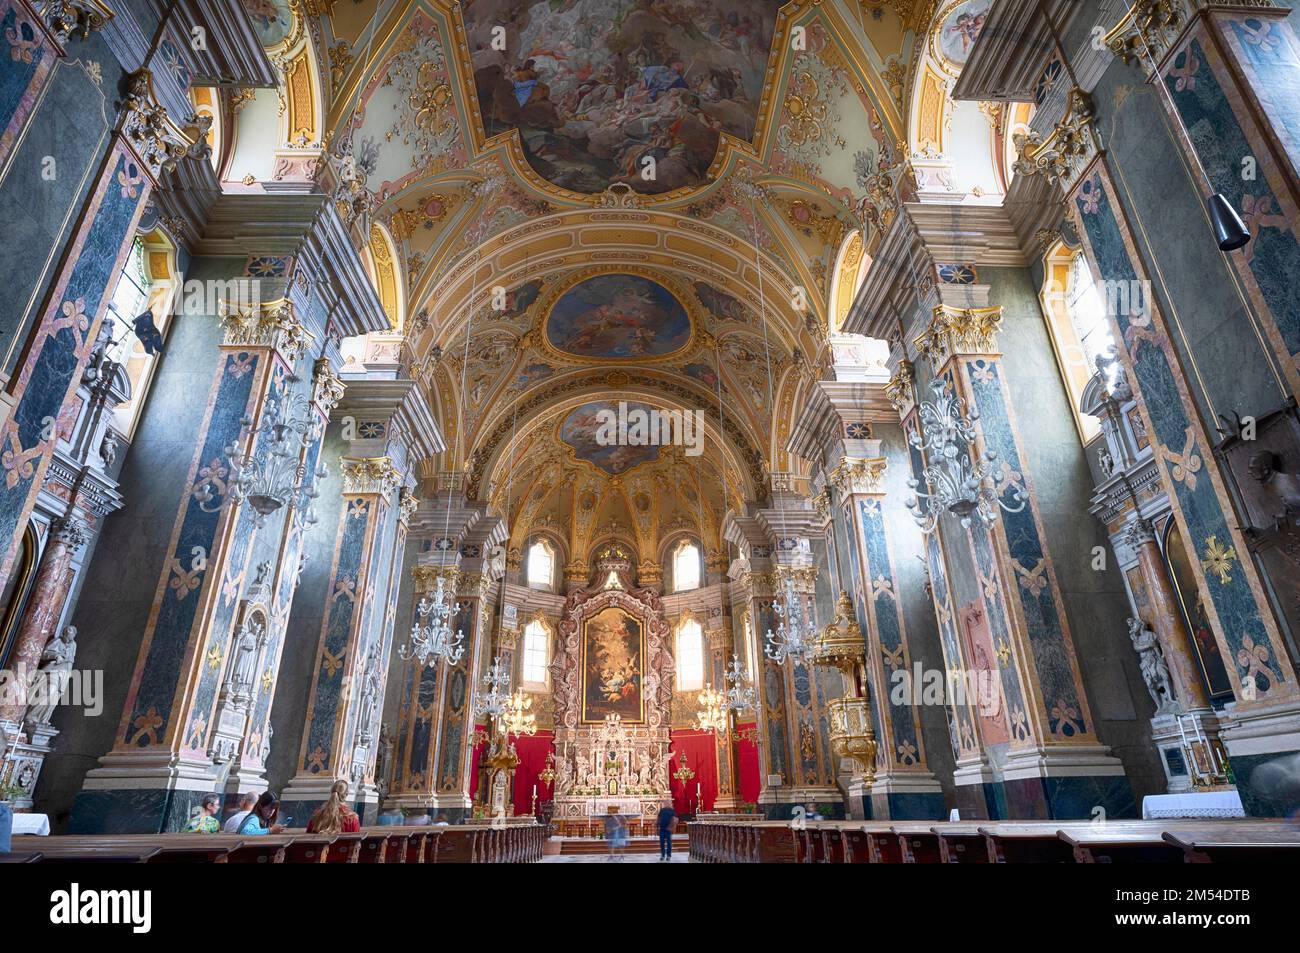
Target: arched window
{"x":1080,"y":330}
{"x":537,"y":654}
{"x":541,"y":566}
{"x":686,"y":567}
{"x":690,"y":656}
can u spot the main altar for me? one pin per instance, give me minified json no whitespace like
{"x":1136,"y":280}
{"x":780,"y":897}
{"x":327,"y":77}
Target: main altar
{"x":612,"y":675}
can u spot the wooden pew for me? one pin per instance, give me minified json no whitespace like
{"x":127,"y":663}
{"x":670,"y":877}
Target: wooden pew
{"x":960,"y":842}
{"x":917,"y":842}
{"x":1235,"y":843}
{"x":1036,"y":842}
{"x":133,"y":848}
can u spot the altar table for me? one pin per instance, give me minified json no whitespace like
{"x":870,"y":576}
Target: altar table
{"x":1197,"y":804}
{"x":32,"y":824}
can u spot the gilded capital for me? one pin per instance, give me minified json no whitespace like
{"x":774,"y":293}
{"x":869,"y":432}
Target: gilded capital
{"x":273,"y":325}
{"x":407,"y":503}
{"x":803,"y":577}
{"x":426,"y":577}
{"x":859,"y":475}
{"x":955,"y":332}
{"x":370,"y":475}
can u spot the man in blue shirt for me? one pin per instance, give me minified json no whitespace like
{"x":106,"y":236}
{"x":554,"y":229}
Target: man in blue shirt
{"x":667,"y":824}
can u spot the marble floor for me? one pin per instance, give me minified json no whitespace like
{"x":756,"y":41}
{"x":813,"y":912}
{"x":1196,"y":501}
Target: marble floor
{"x":679,"y":857}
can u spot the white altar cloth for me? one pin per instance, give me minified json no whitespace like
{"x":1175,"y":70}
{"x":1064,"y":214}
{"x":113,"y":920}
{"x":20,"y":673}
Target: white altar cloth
{"x":32,"y":824}
{"x":1199,"y":804}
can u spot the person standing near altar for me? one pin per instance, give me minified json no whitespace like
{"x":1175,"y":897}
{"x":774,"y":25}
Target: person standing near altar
{"x":667,"y":825}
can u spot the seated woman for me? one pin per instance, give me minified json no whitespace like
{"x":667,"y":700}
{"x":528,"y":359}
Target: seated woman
{"x":205,"y":821}
{"x":335,"y":816}
{"x":262,"y":818}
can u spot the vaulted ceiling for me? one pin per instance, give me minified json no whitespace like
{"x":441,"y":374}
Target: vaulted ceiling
{"x":492,"y":157}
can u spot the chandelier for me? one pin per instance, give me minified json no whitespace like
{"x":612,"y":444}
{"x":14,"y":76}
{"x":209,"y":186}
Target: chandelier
{"x":518,"y":717}
{"x":958,"y":479}
{"x":712,"y":715}
{"x":547,"y":774}
{"x":271,"y":474}
{"x":740,"y":692}
{"x":789,"y":641}
{"x":494,"y":700}
{"x":431,"y":637}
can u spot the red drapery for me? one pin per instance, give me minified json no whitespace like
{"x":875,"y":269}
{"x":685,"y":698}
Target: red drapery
{"x":474,"y":760}
{"x":701,"y":749}
{"x":532,"y":751}
{"x":749,"y":783}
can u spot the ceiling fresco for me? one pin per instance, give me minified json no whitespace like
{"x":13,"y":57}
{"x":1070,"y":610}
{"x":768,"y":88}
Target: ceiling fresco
{"x":618,"y":317}
{"x":596,"y":88}
{"x":581,"y":430}
{"x":497,"y":146}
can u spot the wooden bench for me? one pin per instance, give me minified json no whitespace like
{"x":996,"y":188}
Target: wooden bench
{"x":1236,"y":843}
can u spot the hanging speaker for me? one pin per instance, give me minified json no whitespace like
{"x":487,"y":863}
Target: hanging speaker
{"x":1229,"y":230}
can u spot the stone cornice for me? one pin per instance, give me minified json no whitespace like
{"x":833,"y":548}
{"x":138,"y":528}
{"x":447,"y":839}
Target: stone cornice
{"x":1012,"y":49}
{"x":830,"y":406}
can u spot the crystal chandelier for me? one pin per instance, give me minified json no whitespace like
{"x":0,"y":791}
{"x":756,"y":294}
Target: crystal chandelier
{"x":789,"y":641}
{"x":958,"y":479}
{"x":431,"y":637}
{"x":518,"y":717}
{"x":712,"y":715}
{"x":740,"y":693}
{"x":494,"y":700}
{"x":271,"y":475}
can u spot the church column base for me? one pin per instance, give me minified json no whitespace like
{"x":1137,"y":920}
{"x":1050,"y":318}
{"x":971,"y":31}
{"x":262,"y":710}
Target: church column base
{"x":903,"y":797}
{"x":780,"y":804}
{"x":1067,"y":782}
{"x":979,"y":794}
{"x":141,"y":793}
{"x":1264,"y":752}
{"x":305,"y":793}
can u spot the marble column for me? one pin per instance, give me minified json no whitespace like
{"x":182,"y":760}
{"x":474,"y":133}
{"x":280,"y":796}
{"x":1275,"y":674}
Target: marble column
{"x":345,"y":698}
{"x":1265,"y":721}
{"x":209,"y":593}
{"x":1055,"y":765}
{"x":904,"y":786}
{"x":58,"y":350}
{"x":45,"y":604}
{"x":978,"y":795}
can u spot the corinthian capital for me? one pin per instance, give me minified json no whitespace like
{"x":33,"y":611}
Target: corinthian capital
{"x":860,"y":475}
{"x":274,"y":325}
{"x":957,"y":331}
{"x":370,"y":475}
{"x":156,"y":139}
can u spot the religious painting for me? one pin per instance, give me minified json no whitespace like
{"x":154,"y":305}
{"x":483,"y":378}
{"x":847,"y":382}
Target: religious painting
{"x":620,"y":91}
{"x":613,"y":659}
{"x":721,"y":305}
{"x":958,"y":29}
{"x":272,"y":19}
{"x":1213,"y":670}
{"x":582,"y":428}
{"x":618,"y":317}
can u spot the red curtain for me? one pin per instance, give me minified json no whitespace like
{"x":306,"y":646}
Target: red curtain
{"x":749,"y":783}
{"x":474,"y":760}
{"x":532,"y":751}
{"x":701,"y":750}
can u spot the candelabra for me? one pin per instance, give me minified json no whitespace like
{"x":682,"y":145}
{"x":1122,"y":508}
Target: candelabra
{"x":431,"y":636}
{"x":270,"y":475}
{"x":683,"y":772}
{"x":958,"y":479}
{"x":790,"y":641}
{"x":547,"y":774}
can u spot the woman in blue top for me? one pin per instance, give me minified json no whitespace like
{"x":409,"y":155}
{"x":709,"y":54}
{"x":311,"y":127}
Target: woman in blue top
{"x":261,"y":819}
